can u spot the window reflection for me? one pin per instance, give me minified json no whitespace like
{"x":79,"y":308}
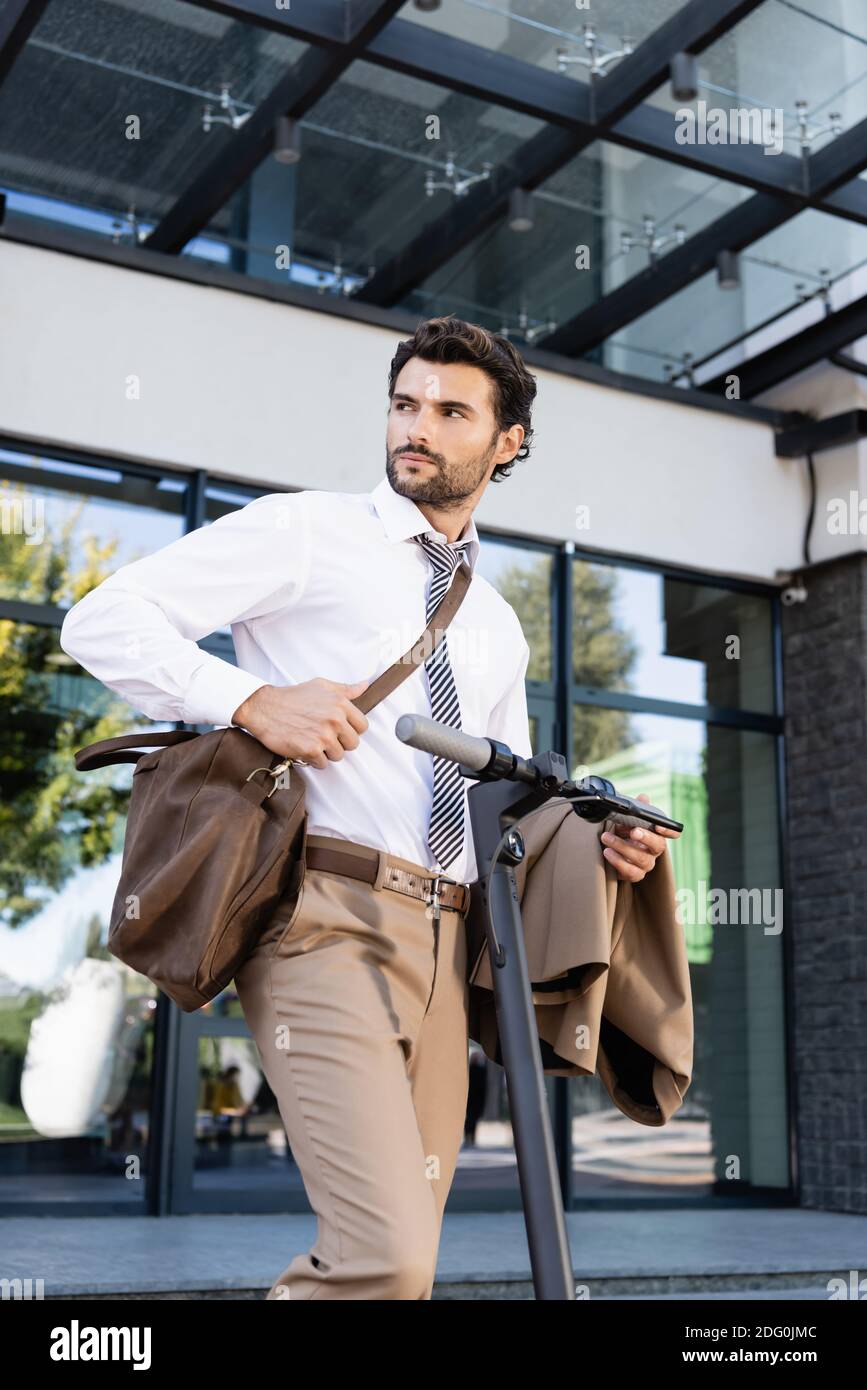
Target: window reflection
{"x":241,"y":1142}
{"x":76,"y":1025}
{"x":670,"y":639}
{"x":237,"y":1124}
{"x":720,"y":782}
{"x":524,"y":578}
{"x":66,"y":527}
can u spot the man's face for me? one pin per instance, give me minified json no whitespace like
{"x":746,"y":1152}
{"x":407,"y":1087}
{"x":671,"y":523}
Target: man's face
{"x":442,"y":438}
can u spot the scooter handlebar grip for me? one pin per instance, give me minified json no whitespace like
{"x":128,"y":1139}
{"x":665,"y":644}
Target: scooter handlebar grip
{"x":443,"y":741}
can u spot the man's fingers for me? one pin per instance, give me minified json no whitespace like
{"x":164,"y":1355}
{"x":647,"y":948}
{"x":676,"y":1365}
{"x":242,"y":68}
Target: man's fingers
{"x":631,"y":853}
{"x":632,"y":872}
{"x":640,"y":835}
{"x":664,"y":830}
{"x":634,"y":849}
{"x":356,"y":719}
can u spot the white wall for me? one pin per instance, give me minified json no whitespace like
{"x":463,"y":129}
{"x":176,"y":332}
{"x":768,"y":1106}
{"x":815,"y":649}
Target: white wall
{"x":257,"y":390}
{"x":841,"y":473}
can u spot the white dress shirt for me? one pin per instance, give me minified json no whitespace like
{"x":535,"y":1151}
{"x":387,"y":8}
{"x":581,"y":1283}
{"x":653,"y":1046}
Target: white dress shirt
{"x":312,"y":584}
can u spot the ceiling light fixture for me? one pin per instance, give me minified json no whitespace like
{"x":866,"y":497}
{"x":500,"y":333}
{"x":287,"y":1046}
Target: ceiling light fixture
{"x":683,"y":70}
{"x":287,"y":140}
{"x":521,"y":218}
{"x":728,"y":274}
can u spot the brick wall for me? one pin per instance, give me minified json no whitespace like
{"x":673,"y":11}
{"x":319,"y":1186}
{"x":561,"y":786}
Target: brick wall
{"x":825,"y":671}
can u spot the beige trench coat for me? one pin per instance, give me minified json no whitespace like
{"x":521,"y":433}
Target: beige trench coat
{"x":608,"y":964}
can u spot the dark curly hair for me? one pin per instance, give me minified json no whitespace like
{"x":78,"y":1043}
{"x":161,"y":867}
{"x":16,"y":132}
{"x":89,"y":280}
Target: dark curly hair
{"x":450,"y":339}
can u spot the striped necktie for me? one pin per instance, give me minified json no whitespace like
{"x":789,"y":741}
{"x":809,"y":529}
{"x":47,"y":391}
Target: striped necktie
{"x":446,"y":833}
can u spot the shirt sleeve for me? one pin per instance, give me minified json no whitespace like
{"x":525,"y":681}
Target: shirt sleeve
{"x":137,"y":631}
{"x":509,"y":721}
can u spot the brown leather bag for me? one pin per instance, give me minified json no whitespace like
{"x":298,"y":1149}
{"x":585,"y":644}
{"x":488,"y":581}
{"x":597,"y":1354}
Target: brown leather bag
{"x":215,"y":837}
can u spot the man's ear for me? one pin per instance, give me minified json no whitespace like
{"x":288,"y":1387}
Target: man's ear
{"x":517,"y":433}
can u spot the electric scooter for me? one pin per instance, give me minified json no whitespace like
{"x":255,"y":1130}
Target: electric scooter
{"x":508,"y":788}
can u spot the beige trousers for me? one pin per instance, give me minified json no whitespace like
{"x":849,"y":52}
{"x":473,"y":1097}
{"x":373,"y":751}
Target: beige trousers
{"x":357,"y":1001}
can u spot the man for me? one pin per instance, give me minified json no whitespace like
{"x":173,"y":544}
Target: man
{"x":356,"y":993}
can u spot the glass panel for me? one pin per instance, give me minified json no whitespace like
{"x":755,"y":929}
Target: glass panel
{"x":787,"y":51}
{"x":241,"y":1141}
{"x":103,"y":110}
{"x":527,"y":283}
{"x":784,"y":280}
{"x":65,"y":527}
{"x":76,"y":1025}
{"x":671,"y":640}
{"x":524,"y":578}
{"x":357,"y":195}
{"x":732,"y":1128}
{"x":533,"y":30}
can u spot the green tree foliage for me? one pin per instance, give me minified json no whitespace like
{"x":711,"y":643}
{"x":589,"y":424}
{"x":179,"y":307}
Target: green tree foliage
{"x":603,"y":653}
{"x":52,"y":817}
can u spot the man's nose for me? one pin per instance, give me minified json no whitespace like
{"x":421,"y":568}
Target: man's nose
{"x":421,"y":426}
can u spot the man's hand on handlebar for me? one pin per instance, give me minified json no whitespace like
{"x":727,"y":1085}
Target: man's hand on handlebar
{"x":632,"y":851}
{"x":315,"y":721}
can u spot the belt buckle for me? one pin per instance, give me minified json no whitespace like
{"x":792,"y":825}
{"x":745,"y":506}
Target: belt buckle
{"x":433,"y":898}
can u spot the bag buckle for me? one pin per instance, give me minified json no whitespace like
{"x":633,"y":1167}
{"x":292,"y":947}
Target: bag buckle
{"x":276,"y":773}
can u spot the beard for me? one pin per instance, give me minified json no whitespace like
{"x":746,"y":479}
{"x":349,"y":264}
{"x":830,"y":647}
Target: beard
{"x":450,"y":486}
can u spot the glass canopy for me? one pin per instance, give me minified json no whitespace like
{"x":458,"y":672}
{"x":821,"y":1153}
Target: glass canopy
{"x":103,"y":109}
{"x":536,"y":30}
{"x":456,"y":159}
{"x":358,"y":194}
{"x":600,"y":197}
{"x":788,"y":52}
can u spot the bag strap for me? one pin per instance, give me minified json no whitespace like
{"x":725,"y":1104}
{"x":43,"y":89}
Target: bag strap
{"x":108,"y":750}
{"x":102,"y":753}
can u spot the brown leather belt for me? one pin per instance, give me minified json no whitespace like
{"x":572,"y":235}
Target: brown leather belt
{"x":376,"y":867}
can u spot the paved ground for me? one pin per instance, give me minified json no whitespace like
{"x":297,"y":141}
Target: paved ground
{"x":740,"y":1253}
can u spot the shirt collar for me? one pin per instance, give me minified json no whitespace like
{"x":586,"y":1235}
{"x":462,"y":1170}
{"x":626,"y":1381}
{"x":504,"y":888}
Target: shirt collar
{"x":402,"y":520}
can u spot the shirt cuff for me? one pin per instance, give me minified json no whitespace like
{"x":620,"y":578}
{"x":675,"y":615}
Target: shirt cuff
{"x":216,"y":691}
